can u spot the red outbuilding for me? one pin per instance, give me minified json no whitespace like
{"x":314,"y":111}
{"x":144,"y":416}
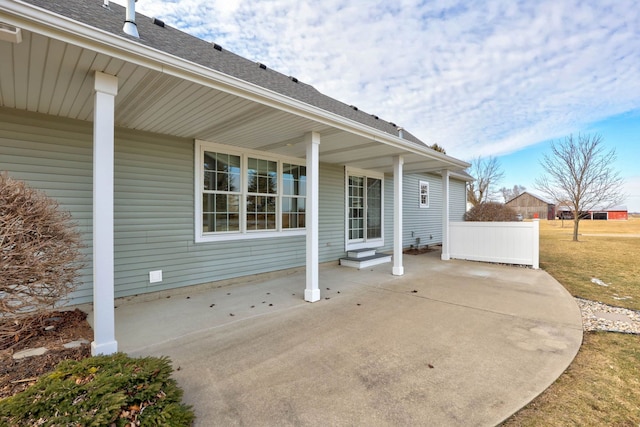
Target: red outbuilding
{"x":614,"y":213}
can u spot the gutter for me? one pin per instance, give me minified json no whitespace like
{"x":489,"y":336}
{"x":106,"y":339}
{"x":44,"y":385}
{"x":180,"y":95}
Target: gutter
{"x":42,"y":21}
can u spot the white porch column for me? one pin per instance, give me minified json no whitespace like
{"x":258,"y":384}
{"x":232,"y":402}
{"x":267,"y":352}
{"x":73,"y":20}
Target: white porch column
{"x":106,"y":88}
{"x":312,"y":290}
{"x":398,"y":269}
{"x":445,"y":215}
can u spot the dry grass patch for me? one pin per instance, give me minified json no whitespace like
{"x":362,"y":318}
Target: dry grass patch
{"x":600,"y":388}
{"x":602,"y":385}
{"x":631,"y":226}
{"x":613,"y":260}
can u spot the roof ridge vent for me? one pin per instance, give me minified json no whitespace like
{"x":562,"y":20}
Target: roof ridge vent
{"x":216,"y":46}
{"x":375,"y":117}
{"x":293,"y":79}
{"x":158,"y":22}
{"x":261,"y":65}
{"x":354,"y":107}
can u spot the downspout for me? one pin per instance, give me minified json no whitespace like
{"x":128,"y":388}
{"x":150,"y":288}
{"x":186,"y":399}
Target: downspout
{"x":130,"y":26}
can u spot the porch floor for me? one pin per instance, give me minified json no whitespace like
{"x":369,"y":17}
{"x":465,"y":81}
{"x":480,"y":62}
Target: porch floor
{"x":448,"y":343}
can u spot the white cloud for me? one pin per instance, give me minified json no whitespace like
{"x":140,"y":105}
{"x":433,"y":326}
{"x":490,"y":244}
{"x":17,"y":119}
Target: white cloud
{"x":632,"y":189}
{"x":479,"y":78}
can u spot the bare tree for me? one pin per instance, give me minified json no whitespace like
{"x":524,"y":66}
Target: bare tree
{"x":40,"y":251}
{"x":512,"y":193}
{"x":487,"y":173}
{"x":579,"y":172}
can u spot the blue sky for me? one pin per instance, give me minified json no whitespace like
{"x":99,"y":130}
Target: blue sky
{"x":479,"y":77}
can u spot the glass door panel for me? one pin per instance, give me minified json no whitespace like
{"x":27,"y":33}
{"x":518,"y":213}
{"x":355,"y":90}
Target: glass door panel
{"x":356,"y":207}
{"x":374,"y":208}
{"x":365,"y":208}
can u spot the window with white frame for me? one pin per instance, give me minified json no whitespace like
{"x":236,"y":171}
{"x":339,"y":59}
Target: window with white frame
{"x":294,"y":191}
{"x":364,"y":208}
{"x":247,"y":194}
{"x":262,"y":194}
{"x":221,"y":192}
{"x":424,"y":194}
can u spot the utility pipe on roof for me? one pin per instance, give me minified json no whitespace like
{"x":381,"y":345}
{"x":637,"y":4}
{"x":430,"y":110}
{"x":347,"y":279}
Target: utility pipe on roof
{"x":130,"y":26}
{"x":401,"y":133}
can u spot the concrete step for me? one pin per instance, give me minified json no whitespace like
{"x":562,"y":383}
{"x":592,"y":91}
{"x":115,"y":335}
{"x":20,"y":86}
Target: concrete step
{"x":361,"y":253}
{"x":365,"y":261}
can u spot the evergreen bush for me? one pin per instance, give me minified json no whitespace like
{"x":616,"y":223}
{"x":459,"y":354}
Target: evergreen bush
{"x":114,"y":390}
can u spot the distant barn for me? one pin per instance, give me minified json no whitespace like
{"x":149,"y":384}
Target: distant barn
{"x":610,"y":214}
{"x":532,"y":206}
{"x":616,"y":213}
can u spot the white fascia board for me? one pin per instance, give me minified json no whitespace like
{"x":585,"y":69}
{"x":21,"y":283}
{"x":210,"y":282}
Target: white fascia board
{"x":460,"y":176}
{"x":59,"y":27}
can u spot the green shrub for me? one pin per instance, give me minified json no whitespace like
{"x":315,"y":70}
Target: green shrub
{"x":101,"y":391}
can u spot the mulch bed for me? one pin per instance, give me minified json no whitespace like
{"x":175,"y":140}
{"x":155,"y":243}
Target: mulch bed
{"x":418,"y":251}
{"x":37,"y":331}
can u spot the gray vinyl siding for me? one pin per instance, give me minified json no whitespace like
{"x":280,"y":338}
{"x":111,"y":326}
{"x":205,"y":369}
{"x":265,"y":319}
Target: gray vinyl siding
{"x":58,"y":161}
{"x":458,"y":200}
{"x":331,"y":213}
{"x":153,"y":206}
{"x":422,"y":223}
{"x":388,"y":214}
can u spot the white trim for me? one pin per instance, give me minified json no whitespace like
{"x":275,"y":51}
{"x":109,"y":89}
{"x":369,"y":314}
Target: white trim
{"x":362,"y":243}
{"x":367,"y":172}
{"x":200,"y":147}
{"x":420,"y":184}
{"x":312,"y":287}
{"x":378,"y":243}
{"x":398,"y":268}
{"x":445,"y":256}
{"x":106,"y":88}
{"x":364,"y":264}
{"x":536,"y":244}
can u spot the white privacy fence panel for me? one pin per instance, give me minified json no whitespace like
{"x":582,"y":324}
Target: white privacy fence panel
{"x":503,"y":242}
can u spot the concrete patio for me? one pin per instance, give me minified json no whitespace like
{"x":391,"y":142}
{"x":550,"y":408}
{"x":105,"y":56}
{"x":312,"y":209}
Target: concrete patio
{"x":448,"y":343}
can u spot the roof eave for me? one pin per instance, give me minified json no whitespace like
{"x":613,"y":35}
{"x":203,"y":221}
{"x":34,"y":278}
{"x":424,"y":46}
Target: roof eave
{"x":36,"y":19}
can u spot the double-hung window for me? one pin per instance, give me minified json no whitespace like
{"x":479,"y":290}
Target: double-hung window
{"x":262,"y":194}
{"x":294,"y":192}
{"x":221,"y":192}
{"x":424,"y":194}
{"x":247,"y":194}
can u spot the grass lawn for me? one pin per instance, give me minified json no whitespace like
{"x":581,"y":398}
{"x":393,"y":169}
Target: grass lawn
{"x":602,"y":385}
{"x":614,"y":260}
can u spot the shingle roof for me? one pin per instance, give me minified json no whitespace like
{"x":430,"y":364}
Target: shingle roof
{"x":532,"y":195}
{"x":193,"y":49}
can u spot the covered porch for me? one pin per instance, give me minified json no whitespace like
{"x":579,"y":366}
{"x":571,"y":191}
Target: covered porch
{"x":448,"y":343}
{"x":77,"y":72}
